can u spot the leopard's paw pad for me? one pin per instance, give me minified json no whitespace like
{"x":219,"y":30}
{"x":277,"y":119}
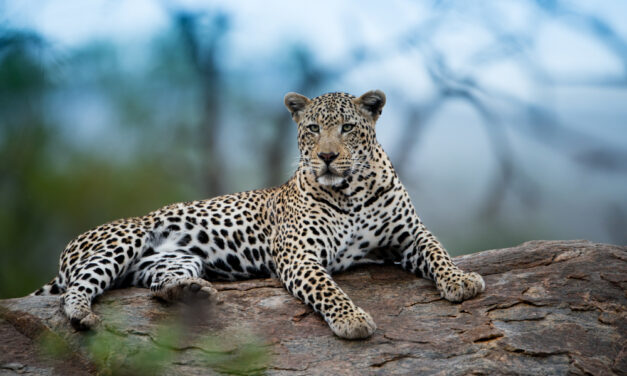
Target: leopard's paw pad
{"x":462,"y":286}
{"x":355,"y":325}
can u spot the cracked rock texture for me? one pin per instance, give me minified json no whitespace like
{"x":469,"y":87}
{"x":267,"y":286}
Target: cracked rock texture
{"x":550,"y":308}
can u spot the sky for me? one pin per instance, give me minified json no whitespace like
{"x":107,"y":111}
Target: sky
{"x":259,"y":31}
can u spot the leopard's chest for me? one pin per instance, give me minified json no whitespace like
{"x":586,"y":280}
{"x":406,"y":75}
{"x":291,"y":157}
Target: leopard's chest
{"x":365,"y":233}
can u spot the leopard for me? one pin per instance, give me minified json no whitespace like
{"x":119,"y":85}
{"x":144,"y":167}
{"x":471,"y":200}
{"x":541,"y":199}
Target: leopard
{"x":343,"y":206}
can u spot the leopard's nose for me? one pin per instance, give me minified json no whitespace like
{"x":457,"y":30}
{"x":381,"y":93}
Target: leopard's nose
{"x":328,"y":157}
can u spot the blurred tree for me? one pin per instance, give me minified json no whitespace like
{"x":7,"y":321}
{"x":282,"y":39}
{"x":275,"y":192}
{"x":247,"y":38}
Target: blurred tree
{"x":310,"y":78}
{"x":202,"y":47}
{"x":23,"y":140}
{"x":52,"y":188}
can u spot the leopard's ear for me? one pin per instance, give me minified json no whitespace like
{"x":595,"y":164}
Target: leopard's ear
{"x":296,"y":104}
{"x":371,"y":103}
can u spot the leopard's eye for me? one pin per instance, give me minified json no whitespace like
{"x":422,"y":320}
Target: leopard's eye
{"x":315,"y":128}
{"x":347,"y":127}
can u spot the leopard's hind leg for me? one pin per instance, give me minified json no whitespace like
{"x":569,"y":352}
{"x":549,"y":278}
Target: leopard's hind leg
{"x":96,"y":261}
{"x":173,"y":275}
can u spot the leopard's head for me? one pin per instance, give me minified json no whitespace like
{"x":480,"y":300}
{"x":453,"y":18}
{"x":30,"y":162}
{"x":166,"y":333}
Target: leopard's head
{"x":336,"y":133}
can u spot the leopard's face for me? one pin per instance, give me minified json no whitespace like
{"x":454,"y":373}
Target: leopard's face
{"x":336,"y":133}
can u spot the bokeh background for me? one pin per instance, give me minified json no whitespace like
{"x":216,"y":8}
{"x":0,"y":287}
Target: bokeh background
{"x":507,"y":121}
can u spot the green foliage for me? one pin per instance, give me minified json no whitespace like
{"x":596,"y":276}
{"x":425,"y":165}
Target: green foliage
{"x":115,"y":353}
{"x":54,"y":346}
{"x":119,"y":355}
{"x":246,"y":357}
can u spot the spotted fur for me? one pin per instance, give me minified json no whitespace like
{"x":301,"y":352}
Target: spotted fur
{"x":344,"y":205}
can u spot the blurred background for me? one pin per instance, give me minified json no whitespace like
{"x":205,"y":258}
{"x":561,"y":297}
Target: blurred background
{"x":507,"y":121}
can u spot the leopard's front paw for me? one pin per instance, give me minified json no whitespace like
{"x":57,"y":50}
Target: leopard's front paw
{"x":355,"y":325}
{"x":461,"y":286}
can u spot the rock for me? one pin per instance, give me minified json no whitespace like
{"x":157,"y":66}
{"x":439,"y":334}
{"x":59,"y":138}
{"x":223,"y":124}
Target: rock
{"x":550,"y":307}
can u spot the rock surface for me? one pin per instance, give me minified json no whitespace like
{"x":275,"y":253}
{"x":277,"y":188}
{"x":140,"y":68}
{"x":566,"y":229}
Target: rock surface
{"x":550,"y":308}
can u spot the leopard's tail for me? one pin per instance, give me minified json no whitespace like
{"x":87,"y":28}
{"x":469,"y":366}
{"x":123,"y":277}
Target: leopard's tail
{"x":51,"y":288}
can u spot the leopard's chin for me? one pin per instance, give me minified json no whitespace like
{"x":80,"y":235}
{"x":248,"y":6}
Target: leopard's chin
{"x":330,"y":179}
